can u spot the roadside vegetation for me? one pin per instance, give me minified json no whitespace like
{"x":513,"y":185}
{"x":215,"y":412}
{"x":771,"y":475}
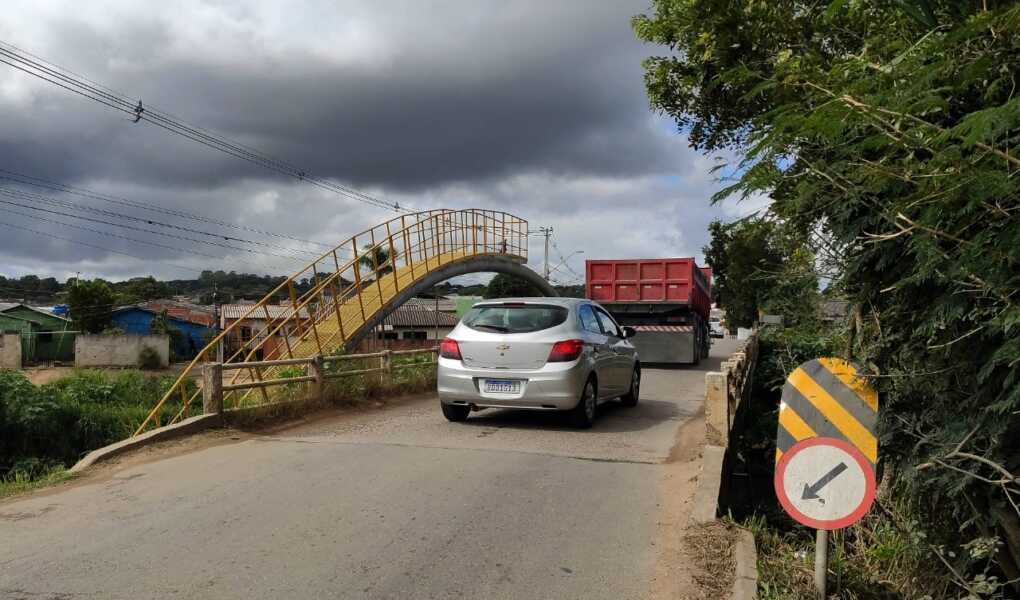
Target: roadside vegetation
{"x":46,"y":429}
{"x":885,"y":138}
{"x":410,"y":373}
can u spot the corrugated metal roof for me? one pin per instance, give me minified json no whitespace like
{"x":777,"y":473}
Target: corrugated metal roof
{"x":445,"y":304}
{"x":236,"y":311}
{"x":415,"y":315}
{"x":208,"y":322}
{"x":5,"y":306}
{"x":192,"y":313}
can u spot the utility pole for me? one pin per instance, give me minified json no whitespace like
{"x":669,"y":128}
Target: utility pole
{"x":546,"y":231}
{"x":216,"y":325}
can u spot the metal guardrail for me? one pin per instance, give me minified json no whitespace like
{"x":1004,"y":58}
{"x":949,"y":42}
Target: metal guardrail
{"x":332,"y":300}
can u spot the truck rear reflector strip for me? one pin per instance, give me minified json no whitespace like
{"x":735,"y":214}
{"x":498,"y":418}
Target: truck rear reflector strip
{"x":666,"y":328}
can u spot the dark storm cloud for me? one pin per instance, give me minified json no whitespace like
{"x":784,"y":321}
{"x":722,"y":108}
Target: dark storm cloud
{"x":533,"y":107}
{"x":505,"y":96}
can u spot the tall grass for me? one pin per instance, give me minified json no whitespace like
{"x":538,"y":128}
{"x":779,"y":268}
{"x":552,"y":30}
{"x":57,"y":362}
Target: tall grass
{"x":45,"y":429}
{"x":53,"y":425}
{"x":410,"y":373}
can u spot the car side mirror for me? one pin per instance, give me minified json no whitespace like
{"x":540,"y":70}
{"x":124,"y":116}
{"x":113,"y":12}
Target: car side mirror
{"x":629,"y":332}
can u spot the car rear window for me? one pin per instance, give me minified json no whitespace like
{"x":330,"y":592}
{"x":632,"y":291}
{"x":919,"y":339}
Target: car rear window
{"x":514,"y":318}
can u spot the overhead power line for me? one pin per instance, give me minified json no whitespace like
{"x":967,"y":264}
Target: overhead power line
{"x":75,"y":206}
{"x":60,"y":187}
{"x":90,"y":245}
{"x":152,"y":231}
{"x":108,"y":233}
{"x":261,"y":266}
{"x":564,"y":261}
{"x":51,"y":73}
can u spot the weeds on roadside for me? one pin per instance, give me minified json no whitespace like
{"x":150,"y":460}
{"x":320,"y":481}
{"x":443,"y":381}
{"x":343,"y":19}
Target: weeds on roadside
{"x":55,"y":424}
{"x":18,"y":480}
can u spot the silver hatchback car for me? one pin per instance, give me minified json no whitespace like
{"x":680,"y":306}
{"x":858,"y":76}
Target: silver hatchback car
{"x":565,"y":354}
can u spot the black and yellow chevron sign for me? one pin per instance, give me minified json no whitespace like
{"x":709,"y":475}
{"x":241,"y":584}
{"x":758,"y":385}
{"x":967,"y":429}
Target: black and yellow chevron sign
{"x":827,"y":398}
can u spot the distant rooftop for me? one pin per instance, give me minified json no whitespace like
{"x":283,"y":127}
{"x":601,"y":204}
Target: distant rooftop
{"x":5,"y":306}
{"x":413,"y":314}
{"x":185,"y":311}
{"x":445,"y":304}
{"x":237,"y":311}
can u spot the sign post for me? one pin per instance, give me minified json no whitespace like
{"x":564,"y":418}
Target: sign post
{"x":821,"y":561}
{"x":826,"y":450}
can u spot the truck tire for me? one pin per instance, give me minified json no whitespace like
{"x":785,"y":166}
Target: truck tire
{"x":583,"y":415}
{"x":455,"y":412}
{"x":631,"y":397}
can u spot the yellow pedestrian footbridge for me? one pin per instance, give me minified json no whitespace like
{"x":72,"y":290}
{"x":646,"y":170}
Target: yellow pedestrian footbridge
{"x":328,"y":307}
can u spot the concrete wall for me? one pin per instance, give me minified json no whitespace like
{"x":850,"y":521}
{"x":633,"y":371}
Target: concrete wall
{"x":118,"y":350}
{"x":10,"y":351}
{"x":727,"y":389}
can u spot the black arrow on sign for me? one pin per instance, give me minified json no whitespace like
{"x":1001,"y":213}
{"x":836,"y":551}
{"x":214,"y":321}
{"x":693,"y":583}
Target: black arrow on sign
{"x":811,"y":491}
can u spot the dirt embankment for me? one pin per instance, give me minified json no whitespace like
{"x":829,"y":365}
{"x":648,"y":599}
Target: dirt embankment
{"x":694,"y":562}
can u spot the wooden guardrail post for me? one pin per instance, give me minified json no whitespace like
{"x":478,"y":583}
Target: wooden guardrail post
{"x":317,"y":386}
{"x":386,"y":364}
{"x":212,"y":389}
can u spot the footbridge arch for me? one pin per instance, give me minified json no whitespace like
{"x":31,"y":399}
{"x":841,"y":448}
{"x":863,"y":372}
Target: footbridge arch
{"x":473,"y":264}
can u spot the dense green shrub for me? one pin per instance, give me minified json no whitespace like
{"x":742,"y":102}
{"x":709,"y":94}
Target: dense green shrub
{"x":58,"y":422}
{"x":889,"y":133}
{"x":148,"y":358}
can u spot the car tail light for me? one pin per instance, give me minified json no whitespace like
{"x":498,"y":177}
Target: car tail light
{"x":566,"y":350}
{"x":449,"y":348}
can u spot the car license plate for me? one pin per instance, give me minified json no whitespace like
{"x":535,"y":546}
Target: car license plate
{"x":502,"y":386}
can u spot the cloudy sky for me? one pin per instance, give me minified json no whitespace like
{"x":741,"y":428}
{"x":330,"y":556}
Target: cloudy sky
{"x":536,"y":108}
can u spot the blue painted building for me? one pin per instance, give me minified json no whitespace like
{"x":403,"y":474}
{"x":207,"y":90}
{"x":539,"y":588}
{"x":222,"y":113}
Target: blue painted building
{"x":138,"y":320}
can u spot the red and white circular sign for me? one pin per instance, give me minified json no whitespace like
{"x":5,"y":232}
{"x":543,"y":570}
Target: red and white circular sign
{"x":825,"y":483}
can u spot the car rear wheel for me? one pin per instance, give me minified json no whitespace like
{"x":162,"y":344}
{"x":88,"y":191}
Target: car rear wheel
{"x":454,"y":412}
{"x":583,"y":415}
{"x":631,"y":397}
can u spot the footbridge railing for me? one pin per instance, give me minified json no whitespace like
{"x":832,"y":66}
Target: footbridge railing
{"x":328,"y":306}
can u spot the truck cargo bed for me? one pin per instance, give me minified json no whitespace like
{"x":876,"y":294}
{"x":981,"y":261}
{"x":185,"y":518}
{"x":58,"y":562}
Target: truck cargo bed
{"x":667,"y":300}
{"x":662,"y":281}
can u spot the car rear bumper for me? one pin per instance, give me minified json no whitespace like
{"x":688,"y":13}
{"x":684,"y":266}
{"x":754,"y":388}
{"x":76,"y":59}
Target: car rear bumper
{"x":556,"y":386}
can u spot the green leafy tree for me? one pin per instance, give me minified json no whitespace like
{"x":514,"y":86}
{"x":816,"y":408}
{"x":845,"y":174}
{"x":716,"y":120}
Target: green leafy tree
{"x":761,"y":265}
{"x":890,"y":132}
{"x":140,"y":289}
{"x":717,"y":257}
{"x":508,"y":286}
{"x":90,"y":304}
{"x":376,"y":261}
{"x":570,"y":291}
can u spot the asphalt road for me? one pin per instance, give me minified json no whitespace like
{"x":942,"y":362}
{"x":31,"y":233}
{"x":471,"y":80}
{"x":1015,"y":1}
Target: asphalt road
{"x":395,"y":503}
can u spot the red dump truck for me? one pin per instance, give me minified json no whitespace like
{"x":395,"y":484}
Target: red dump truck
{"x":667,"y":300}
